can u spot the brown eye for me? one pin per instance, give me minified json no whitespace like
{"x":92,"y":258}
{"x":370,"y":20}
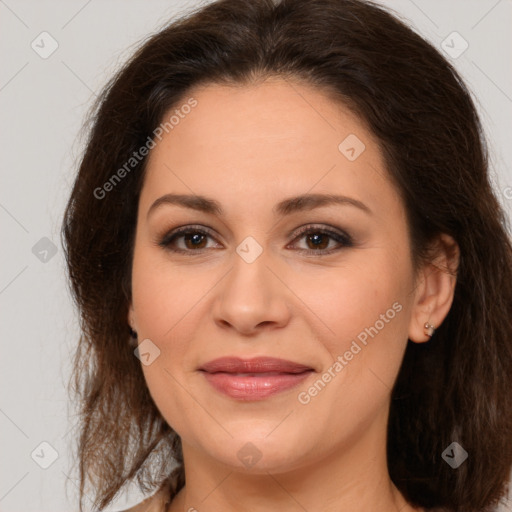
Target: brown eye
{"x":318,"y":239}
{"x":194,"y":239}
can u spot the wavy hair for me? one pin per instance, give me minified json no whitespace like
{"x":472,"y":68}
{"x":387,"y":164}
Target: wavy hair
{"x":457,"y":387}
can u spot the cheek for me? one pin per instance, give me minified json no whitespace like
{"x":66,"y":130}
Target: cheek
{"x":170,"y":302}
{"x":348,"y":300}
{"x":163,"y":294}
{"x":165,"y":301}
{"x":365,"y":312}
{"x":369,"y":318}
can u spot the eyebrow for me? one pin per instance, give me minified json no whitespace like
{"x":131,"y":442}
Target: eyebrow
{"x":286,"y":207}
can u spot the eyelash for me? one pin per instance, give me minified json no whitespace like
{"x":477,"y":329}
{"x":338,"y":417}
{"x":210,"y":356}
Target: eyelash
{"x":341,"y":238}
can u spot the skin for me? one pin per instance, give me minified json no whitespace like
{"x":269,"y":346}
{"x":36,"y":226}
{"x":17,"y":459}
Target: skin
{"x":249,"y":147}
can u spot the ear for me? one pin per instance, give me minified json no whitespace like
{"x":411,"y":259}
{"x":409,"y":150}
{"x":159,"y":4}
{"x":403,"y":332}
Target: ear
{"x":435,"y":287}
{"x":131,"y":318}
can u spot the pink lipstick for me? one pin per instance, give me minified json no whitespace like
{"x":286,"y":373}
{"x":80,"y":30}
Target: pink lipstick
{"x":254,"y":379}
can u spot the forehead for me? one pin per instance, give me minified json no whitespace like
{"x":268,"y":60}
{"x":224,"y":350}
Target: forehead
{"x":277,"y":114}
{"x":264,"y":141}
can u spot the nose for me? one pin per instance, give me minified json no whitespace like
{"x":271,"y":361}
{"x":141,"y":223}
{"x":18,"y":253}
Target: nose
{"x":252,"y":297}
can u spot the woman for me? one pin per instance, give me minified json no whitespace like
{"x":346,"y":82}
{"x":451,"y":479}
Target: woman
{"x":293,"y":275}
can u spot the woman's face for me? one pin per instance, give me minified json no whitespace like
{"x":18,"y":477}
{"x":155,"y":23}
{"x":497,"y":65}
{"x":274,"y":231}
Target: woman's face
{"x":338,"y":300}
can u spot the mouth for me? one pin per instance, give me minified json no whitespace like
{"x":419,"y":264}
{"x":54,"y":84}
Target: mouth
{"x":254,"y":379}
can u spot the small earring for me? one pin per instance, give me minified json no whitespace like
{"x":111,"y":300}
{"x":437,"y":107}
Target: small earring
{"x":429,"y":329}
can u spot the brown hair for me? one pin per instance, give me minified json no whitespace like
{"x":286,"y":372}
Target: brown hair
{"x":457,"y":387}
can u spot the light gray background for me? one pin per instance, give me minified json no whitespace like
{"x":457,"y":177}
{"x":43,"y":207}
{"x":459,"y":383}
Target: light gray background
{"x":43,"y":104}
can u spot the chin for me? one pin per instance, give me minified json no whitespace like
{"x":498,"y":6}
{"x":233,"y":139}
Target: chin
{"x":258,"y":453}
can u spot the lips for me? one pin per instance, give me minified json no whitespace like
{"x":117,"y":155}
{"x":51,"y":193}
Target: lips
{"x":254,"y":379}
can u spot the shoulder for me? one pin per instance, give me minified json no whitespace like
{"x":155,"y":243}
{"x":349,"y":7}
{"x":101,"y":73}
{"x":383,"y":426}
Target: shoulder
{"x":154,"y":503}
